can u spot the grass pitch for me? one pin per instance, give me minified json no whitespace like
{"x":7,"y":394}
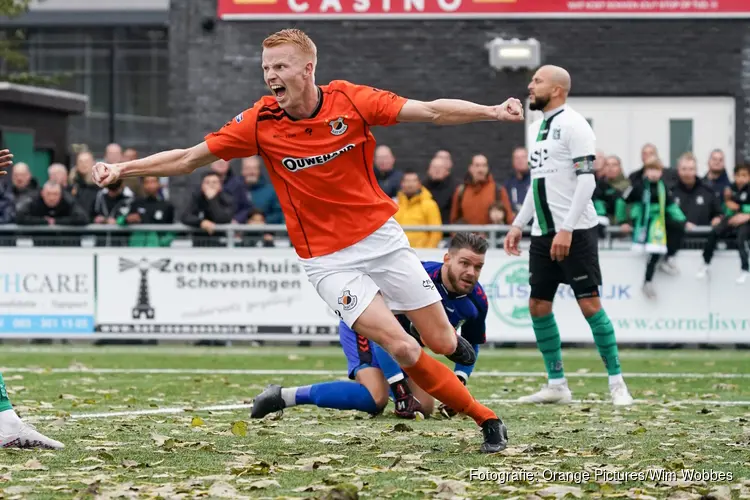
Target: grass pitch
{"x":136,"y":425}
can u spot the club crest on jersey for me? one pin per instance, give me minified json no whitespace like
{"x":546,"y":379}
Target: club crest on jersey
{"x":348,"y":300}
{"x":556,"y":134}
{"x":338,"y":126}
{"x":239,"y":118}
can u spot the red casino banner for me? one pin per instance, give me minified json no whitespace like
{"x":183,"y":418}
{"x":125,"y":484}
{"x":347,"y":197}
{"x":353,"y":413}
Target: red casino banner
{"x":248,"y":10}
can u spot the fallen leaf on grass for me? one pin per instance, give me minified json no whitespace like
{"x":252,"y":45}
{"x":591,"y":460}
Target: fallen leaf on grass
{"x":34,"y":464}
{"x":222,"y":490}
{"x":401,"y":427}
{"x":341,"y":492}
{"x":263,"y":483}
{"x":719,"y":493}
{"x":197,"y":422}
{"x":239,"y":428}
{"x":258,"y":468}
{"x":559,"y":492}
{"x":310,"y":487}
{"x":451,"y":486}
{"x":160,"y":439}
{"x":129,"y":464}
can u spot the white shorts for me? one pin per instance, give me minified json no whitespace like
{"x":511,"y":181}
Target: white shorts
{"x":348,"y":280}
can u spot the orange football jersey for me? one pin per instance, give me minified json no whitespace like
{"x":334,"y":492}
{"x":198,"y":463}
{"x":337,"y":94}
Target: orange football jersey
{"x":321,"y":167}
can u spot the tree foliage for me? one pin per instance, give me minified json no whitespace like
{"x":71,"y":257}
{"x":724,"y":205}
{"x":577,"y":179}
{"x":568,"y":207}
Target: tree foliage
{"x":13,"y":63}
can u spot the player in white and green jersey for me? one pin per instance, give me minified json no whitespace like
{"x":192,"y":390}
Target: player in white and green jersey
{"x":564,"y":246}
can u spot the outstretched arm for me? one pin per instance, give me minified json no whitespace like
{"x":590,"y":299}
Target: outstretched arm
{"x":457,"y":112}
{"x":164,"y":164}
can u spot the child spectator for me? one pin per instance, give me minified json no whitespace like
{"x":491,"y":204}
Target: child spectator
{"x":737,"y":218}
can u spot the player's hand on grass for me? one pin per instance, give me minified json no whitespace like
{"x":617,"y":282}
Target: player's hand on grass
{"x":561,"y":245}
{"x":105,"y":174}
{"x":510,"y":111}
{"x":6,"y":160}
{"x":512,"y":239}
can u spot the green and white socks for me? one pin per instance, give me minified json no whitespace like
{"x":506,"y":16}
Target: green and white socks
{"x":549,"y":344}
{"x":604,"y":338}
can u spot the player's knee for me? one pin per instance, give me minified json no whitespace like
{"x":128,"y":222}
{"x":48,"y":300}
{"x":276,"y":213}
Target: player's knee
{"x":590,"y":306}
{"x":404,"y":349}
{"x":381,"y":399}
{"x":443,"y":344}
{"x":539,"y":308}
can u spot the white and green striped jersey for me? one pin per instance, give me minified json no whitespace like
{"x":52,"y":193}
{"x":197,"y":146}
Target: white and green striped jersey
{"x":562,"y":146}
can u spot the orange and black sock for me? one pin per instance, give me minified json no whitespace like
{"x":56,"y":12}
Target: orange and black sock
{"x":441,"y":383}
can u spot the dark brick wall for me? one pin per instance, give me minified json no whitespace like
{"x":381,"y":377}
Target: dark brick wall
{"x":215,"y":74}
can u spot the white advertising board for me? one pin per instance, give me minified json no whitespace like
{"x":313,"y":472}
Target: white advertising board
{"x":214,"y":291}
{"x":686,"y":310}
{"x":264,"y":294}
{"x":48,"y":295}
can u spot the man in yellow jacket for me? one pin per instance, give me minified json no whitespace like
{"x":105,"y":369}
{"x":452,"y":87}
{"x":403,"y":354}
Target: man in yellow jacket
{"x":417,"y":208}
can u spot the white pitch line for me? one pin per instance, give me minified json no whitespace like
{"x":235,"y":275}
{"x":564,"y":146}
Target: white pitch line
{"x":246,"y":406}
{"x":159,"y":411}
{"x":684,"y":402}
{"x":210,"y":371}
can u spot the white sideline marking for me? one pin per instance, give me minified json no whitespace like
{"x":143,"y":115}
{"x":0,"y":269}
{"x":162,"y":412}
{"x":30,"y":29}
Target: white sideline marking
{"x":209,"y":371}
{"x":683,"y":402}
{"x":245,"y":406}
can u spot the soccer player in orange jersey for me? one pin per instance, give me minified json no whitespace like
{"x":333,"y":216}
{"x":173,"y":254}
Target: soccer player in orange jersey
{"x":318,"y":147}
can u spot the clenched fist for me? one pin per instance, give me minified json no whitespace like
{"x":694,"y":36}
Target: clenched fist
{"x":510,"y":111}
{"x":105,"y":174}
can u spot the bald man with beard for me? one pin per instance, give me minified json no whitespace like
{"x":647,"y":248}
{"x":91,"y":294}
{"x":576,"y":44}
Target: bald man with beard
{"x":564,"y":246}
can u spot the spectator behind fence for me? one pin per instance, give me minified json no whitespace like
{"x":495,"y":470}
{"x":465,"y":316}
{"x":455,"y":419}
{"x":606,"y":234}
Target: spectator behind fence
{"x":518,"y":185}
{"x":58,"y":173}
{"x":652,"y":209}
{"x":389,"y":178}
{"x":736,"y":219}
{"x":82,"y":186}
{"x":52,"y":207}
{"x":696,"y":200}
{"x":717,"y":178}
{"x":446,"y":155}
{"x":473,"y":199}
{"x":108,"y":204}
{"x":600,"y":164}
{"x":254,"y":239}
{"x":7,"y":204}
{"x":150,"y":208}
{"x":441,"y":185}
{"x":25,"y":187}
{"x":209,"y":206}
{"x":130,"y":154}
{"x":650,"y":155}
{"x":233,"y":186}
{"x":260,"y":193}
{"x":417,"y":208}
{"x":608,"y":193}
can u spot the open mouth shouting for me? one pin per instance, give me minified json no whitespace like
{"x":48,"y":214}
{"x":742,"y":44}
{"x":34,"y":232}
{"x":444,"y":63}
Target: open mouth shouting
{"x":278,"y":90}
